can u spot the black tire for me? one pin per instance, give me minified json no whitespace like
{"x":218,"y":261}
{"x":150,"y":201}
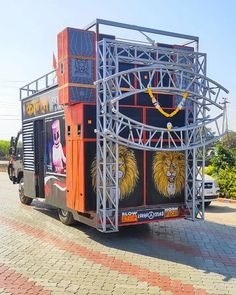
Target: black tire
{"x":10,"y":172}
{"x":66,"y":217}
{"x":207,"y":204}
{"x":24,"y":199}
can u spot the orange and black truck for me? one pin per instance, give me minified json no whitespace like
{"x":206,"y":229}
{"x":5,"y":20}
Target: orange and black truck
{"x":104,"y":135}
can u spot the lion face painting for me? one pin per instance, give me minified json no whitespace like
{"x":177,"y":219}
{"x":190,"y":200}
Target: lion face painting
{"x":128,"y":172}
{"x":168,"y":173}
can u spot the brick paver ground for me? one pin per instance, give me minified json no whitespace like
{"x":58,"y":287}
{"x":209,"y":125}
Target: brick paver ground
{"x":39,"y":255}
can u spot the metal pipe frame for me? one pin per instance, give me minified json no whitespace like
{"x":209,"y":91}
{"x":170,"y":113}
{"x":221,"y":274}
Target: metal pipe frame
{"x":146,"y":54}
{"x":139,"y":28}
{"x":184,"y":70}
{"x":39,"y":85}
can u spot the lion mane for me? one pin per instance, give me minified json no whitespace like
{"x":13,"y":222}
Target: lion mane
{"x":128,"y":172}
{"x":168,"y":173}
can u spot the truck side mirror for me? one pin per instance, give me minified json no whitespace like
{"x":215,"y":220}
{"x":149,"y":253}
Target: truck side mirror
{"x":12,"y":141}
{"x":10,"y":151}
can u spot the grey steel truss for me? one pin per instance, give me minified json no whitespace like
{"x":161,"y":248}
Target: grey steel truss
{"x":178,"y":70}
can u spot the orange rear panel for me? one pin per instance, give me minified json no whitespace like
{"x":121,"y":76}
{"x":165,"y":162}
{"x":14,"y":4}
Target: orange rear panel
{"x":75,"y":196}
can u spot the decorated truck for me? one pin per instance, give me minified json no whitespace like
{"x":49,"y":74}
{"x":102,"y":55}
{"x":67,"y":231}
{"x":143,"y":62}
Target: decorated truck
{"x":116,"y":135}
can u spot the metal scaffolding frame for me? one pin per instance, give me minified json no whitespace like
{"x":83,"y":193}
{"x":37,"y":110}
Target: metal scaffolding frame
{"x":178,"y":70}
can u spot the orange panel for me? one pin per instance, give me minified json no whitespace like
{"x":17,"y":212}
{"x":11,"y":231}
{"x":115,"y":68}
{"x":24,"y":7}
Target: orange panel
{"x":75,"y":196}
{"x":68,"y":75}
{"x":63,"y":72}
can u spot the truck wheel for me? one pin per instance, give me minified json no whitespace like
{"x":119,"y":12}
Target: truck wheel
{"x":24,"y":200}
{"x":66,"y":217}
{"x":207,"y":204}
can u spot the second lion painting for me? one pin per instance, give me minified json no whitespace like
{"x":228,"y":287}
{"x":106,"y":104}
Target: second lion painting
{"x":164,"y":177}
{"x":168,"y":173}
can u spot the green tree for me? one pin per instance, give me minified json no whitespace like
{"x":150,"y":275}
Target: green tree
{"x":229,"y":140}
{"x":227,"y":182}
{"x":4,"y":146}
{"x":224,"y":158}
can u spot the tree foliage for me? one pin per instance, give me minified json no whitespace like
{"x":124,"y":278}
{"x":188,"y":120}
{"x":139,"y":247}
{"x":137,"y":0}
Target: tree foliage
{"x":223,"y":165}
{"x":4,"y":146}
{"x":227,"y":182}
{"x":229,"y":140}
{"x":223,"y":159}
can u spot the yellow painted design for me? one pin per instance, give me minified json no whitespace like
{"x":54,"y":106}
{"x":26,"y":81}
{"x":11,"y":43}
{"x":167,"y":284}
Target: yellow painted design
{"x":160,"y":109}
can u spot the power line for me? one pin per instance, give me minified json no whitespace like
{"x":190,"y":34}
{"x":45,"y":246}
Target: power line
{"x":9,"y":103}
{"x":9,"y":119}
{"x":9,"y":116}
{"x":13,"y":81}
{"x":9,"y":86}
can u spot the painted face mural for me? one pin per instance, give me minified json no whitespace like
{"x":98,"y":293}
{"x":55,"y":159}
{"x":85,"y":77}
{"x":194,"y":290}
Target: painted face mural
{"x":168,"y":173}
{"x":128,"y":172}
{"x":58,"y":157}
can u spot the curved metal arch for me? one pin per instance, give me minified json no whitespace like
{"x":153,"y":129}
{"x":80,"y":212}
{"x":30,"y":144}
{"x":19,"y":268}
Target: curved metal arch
{"x":147,"y":127}
{"x":207,"y":89}
{"x":117,"y":122}
{"x":160,"y":65}
{"x":167,"y":90}
{"x":165,"y":140}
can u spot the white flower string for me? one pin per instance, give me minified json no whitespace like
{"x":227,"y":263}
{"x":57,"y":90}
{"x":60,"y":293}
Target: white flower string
{"x":160,"y":109}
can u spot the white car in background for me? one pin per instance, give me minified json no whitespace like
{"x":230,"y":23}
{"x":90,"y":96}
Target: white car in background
{"x":211,"y":190}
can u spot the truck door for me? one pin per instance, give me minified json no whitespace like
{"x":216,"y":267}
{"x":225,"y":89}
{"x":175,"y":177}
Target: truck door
{"x":39,"y":143}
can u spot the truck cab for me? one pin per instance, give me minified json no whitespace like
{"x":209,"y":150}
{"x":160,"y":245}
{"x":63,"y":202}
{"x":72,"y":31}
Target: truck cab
{"x":15,"y":164}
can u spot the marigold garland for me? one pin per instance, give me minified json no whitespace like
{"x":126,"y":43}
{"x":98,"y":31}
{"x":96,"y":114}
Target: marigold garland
{"x":160,"y":109}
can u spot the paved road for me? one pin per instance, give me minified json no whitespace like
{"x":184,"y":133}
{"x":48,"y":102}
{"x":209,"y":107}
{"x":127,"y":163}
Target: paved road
{"x":39,"y":255}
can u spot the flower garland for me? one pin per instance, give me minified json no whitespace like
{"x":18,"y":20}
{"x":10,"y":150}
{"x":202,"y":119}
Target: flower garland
{"x":160,"y":109}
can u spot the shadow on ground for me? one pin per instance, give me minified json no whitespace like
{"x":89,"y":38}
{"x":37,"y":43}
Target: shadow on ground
{"x":221,"y":209}
{"x":179,"y":241}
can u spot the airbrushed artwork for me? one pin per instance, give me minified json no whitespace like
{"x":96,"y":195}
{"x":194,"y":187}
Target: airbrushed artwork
{"x":55,"y":145}
{"x":128,"y":172}
{"x":168,"y":173}
{"x":165,"y":175}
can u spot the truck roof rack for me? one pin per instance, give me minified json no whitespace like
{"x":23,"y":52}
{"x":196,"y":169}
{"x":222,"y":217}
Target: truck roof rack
{"x":41,"y":84}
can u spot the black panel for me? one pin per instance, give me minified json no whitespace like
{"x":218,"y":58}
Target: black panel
{"x":165,"y":100}
{"x":153,"y":195}
{"x":89,"y":156}
{"x":130,"y":99}
{"x":39,"y":156}
{"x":133,"y":113}
{"x":143,"y":99}
{"x":89,"y":121}
{"x":135,"y":198}
{"x":155,"y":118}
{"x":135,"y":195}
{"x":105,"y":36}
{"x":163,"y":57}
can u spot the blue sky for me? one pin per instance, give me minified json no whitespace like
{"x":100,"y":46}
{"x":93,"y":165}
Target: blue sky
{"x":28,"y":34}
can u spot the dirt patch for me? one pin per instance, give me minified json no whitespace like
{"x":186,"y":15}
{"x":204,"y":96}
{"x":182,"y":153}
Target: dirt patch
{"x":3,"y":167}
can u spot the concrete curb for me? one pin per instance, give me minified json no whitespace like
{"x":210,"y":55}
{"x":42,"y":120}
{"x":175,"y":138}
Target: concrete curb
{"x":223,"y":200}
